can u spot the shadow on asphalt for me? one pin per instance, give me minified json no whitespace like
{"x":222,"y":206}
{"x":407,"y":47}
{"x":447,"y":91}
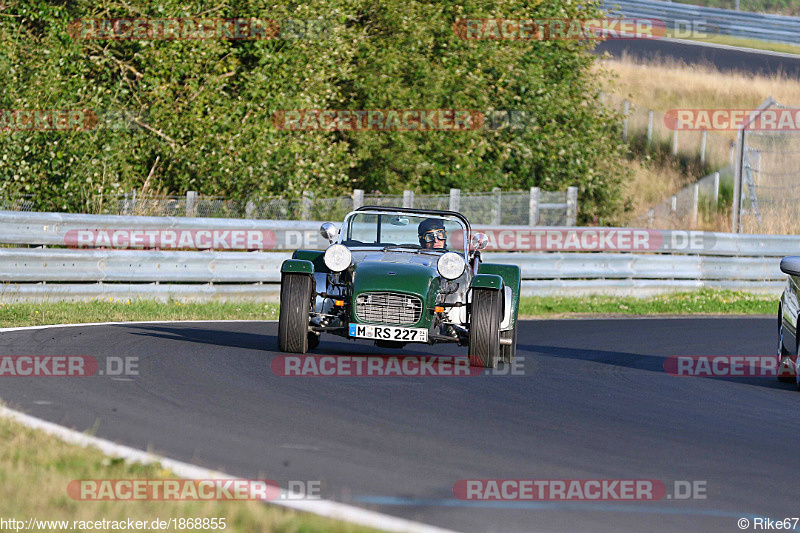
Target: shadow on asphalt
{"x":649,"y":363}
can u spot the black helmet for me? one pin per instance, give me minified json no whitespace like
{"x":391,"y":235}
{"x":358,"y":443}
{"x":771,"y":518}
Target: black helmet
{"x":429,"y":224}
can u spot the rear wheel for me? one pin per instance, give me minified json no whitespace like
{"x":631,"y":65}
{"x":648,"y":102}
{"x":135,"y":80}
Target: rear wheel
{"x":508,"y":351}
{"x":296,"y":291}
{"x":484,"y":329}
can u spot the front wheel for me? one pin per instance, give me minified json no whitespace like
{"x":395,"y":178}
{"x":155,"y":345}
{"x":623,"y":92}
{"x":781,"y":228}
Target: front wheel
{"x":484,"y":328}
{"x":296,"y":292}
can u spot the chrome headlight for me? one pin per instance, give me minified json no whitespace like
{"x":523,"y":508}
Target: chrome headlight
{"x":451,"y":265}
{"x":337,"y":257}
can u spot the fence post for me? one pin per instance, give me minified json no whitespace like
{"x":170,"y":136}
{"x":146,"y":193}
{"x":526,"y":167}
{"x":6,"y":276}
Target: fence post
{"x":133,"y":202}
{"x":455,"y":199}
{"x":695,"y":204}
{"x":737,"y":181}
{"x":715,"y":192}
{"x":673,"y":204}
{"x":408,"y":198}
{"x":625,"y":108}
{"x":250,"y":209}
{"x":733,"y":154}
{"x":703,"y":139}
{"x":126,"y":205}
{"x":675,"y":141}
{"x":533,"y":207}
{"x":572,"y":206}
{"x":649,"y":127}
{"x":306,"y":202}
{"x":497,"y":206}
{"x":191,"y":203}
{"x":358,"y":198}
{"x":651,"y":215}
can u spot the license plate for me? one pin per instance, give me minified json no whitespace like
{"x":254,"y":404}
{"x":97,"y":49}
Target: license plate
{"x":389,"y":333}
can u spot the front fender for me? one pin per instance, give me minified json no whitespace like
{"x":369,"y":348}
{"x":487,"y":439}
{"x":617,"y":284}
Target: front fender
{"x":511,"y":275}
{"x":297,"y":266}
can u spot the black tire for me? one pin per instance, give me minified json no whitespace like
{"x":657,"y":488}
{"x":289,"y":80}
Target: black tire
{"x":296,"y":292}
{"x":508,"y":351}
{"x":784,"y":361}
{"x":484,"y":328}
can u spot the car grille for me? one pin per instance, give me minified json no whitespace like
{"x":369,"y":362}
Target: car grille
{"x":388,"y":308}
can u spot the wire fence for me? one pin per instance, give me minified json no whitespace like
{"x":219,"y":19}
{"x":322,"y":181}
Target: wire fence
{"x":527,"y":208}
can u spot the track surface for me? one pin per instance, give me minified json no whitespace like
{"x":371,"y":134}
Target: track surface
{"x":595,"y":403}
{"x":693,"y":53}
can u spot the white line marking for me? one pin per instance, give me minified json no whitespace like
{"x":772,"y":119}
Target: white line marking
{"x":326,"y":508}
{"x":24,"y":328}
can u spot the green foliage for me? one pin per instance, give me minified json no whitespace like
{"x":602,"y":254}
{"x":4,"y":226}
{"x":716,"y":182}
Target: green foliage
{"x":205,"y":106}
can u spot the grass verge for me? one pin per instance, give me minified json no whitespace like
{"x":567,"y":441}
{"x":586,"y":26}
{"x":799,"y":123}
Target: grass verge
{"x":709,"y":302}
{"x":35,"y":470}
{"x":742,"y":42}
{"x":704,"y":301}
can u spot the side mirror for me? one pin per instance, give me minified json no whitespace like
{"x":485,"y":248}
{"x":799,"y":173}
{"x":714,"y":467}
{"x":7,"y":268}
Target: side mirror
{"x":479,"y":241}
{"x":329,"y":232}
{"x":791,"y":265}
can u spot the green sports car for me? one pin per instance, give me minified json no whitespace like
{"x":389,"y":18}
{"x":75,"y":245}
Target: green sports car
{"x":396,"y":275}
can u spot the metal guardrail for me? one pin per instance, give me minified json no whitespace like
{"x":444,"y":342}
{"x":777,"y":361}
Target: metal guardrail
{"x":774,"y":28}
{"x":54,"y":229}
{"x":719,"y":260}
{"x":32,"y":265}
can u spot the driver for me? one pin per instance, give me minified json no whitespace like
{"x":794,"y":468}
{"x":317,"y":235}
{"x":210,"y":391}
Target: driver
{"x":432,"y":234}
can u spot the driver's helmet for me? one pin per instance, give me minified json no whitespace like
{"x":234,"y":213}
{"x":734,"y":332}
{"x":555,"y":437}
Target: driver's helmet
{"x":427,"y":229}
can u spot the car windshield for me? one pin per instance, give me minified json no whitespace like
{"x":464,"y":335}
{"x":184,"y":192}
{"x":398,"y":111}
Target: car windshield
{"x":403,"y":230}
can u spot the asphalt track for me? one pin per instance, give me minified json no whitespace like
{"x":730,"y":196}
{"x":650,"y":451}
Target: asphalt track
{"x":594,"y":403}
{"x":725,"y":58}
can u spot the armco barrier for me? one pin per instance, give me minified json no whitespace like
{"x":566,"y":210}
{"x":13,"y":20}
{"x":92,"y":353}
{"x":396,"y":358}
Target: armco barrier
{"x":775,"y":28}
{"x":719,"y":260}
{"x":60,"y":229}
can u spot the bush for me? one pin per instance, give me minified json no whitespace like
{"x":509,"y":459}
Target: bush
{"x":204,"y":106}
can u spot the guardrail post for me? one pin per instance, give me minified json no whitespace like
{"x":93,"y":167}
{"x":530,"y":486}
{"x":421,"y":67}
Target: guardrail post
{"x":572,"y":206}
{"x":715,"y":191}
{"x":651,"y":215}
{"x":455,"y":199}
{"x":675,"y":141}
{"x":250,"y":209}
{"x":673,"y":205}
{"x":408,"y":198}
{"x":307,"y":201}
{"x":191,"y":203}
{"x":703,"y":135}
{"x":737,"y":181}
{"x":695,"y":204}
{"x":533,"y":207}
{"x":497,"y":206}
{"x":626,"y":105}
{"x":649,"y":127}
{"x":358,"y":198}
